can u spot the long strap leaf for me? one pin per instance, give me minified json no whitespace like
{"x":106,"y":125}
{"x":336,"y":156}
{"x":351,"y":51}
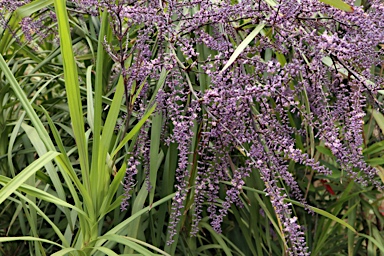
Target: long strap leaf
{"x":16,"y":182}
{"x":72,"y":88}
{"x":243,"y":45}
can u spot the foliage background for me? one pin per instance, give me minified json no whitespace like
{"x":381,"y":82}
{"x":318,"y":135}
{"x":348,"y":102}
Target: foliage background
{"x":65,"y":147}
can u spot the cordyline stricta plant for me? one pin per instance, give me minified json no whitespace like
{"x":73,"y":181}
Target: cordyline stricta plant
{"x":235,"y":111}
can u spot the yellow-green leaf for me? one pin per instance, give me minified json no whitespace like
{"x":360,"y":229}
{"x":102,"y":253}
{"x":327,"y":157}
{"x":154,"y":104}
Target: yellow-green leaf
{"x":338,"y":4}
{"x":243,"y":45}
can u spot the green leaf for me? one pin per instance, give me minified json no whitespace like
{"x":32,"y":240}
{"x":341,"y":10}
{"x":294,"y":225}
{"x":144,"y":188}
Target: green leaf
{"x":101,"y":73}
{"x":374,"y":148}
{"x":324,"y":150}
{"x":66,"y":251}
{"x":20,"y":95}
{"x":28,"y":238}
{"x":35,"y":192}
{"x":39,"y":127}
{"x":122,"y":226}
{"x":16,"y":182}
{"x":375,"y":161}
{"x":107,"y":251}
{"x":243,"y":45}
{"x":112,"y":190}
{"x":100,"y":176}
{"x":72,"y":88}
{"x":325,"y":214}
{"x":90,"y":106}
{"x":317,"y":210}
{"x":32,"y":7}
{"x":44,"y":216}
{"x":373,"y":240}
{"x":380,"y":172}
{"x":379,"y":118}
{"x":131,"y":244}
{"x":134,"y":130}
{"x":218,"y":238}
{"x":154,"y":153}
{"x":160,"y":84}
{"x":339,"y":5}
{"x":135,"y":227}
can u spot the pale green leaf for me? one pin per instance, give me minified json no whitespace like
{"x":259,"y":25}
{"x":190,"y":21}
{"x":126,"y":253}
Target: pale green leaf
{"x":338,"y":4}
{"x":243,"y":45}
{"x":16,"y":182}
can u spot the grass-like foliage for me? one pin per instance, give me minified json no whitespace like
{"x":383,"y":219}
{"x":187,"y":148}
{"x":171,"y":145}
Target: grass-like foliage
{"x":206,"y":127}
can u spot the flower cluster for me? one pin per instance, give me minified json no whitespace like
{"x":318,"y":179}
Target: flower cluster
{"x":311,"y":62}
{"x":36,"y":26}
{"x":10,"y":6}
